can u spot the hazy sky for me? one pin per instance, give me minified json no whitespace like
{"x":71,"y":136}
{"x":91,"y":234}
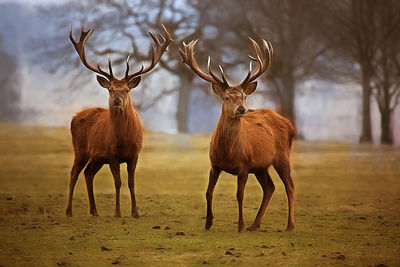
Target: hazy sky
{"x":31,"y":2}
{"x":325,"y":110}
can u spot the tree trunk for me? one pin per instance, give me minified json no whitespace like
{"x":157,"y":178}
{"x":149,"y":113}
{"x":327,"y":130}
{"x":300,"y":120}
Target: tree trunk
{"x":366,"y":132}
{"x":287,"y":100}
{"x":387,"y":133}
{"x":183,"y":103}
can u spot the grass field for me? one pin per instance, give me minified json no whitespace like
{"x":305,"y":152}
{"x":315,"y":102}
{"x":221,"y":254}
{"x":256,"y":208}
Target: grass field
{"x":347,"y":208}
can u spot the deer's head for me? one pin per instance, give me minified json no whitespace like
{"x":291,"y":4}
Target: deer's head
{"x":119,"y":88}
{"x":233,"y":97}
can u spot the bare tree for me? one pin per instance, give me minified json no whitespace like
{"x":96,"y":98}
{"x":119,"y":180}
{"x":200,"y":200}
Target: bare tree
{"x":129,"y":23}
{"x":366,"y":33}
{"x":386,"y":74}
{"x":297,"y":56}
{"x":182,"y":21}
{"x":289,"y":27}
{"x":10,"y":94}
{"x":348,"y":27}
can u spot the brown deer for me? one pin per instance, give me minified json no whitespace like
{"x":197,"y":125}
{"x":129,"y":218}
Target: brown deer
{"x":246,"y":141}
{"x":109,"y":136}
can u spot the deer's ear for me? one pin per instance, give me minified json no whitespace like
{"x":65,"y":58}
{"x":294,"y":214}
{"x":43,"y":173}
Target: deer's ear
{"x":250,"y":88}
{"x":218,"y":90}
{"x":134,"y":82}
{"x":103,"y":82}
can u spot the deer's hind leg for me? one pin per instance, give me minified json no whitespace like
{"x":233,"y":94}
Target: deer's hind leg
{"x":282,"y":167}
{"x":241,"y":184}
{"x":213,"y":179}
{"x":79,"y":164}
{"x":90,"y":171}
{"x":114,"y":167}
{"x":268,"y":188}
{"x":131,"y":184}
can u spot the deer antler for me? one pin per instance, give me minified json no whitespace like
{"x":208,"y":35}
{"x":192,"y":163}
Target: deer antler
{"x":188,"y":59}
{"x":263,"y":60}
{"x":80,"y":49}
{"x":156,"y":55}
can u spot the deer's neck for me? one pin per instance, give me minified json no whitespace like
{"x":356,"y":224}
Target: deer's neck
{"x":227,"y":134}
{"x":124,"y":124}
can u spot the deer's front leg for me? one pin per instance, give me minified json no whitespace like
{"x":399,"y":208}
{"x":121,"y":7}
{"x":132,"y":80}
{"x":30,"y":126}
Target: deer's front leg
{"x":131,"y":183}
{"x":114,"y":167}
{"x":90,"y":171}
{"x":268,"y":188}
{"x":241,"y":183}
{"x":214,"y":174}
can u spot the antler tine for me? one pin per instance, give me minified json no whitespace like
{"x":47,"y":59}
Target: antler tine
{"x":162,"y":37}
{"x":109,"y":65}
{"x":167,"y":34}
{"x":269,"y":47}
{"x":127,"y":65}
{"x":223,"y":75}
{"x":189,"y":59}
{"x":249,"y":73}
{"x":258,"y":58}
{"x":252,"y":58}
{"x":215,"y":77}
{"x":263,"y":61}
{"x":155,"y":38}
{"x":156,"y":52}
{"x":80,"y":49}
{"x":256,"y":47}
{"x":111,"y":76}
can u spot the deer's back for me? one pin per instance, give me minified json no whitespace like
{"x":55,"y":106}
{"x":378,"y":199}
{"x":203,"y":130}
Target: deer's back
{"x":263,"y":138}
{"x":275,"y":129}
{"x":90,"y":128}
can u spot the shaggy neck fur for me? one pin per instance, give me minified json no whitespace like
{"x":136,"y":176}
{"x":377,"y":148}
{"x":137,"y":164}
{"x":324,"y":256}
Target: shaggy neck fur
{"x":124,"y":123}
{"x":227,"y":134}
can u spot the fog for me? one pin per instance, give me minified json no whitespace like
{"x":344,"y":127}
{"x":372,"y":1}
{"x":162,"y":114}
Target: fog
{"x":325,"y":110}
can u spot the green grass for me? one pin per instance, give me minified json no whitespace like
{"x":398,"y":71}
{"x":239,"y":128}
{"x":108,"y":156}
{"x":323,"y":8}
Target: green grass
{"x":347,"y":208}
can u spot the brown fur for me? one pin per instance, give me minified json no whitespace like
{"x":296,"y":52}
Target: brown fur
{"x":110,"y":136}
{"x":250,"y":143}
{"x":106,"y":136}
{"x":244,"y":143}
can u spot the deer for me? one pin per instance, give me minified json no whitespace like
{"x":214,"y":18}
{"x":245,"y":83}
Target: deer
{"x":114,"y":135}
{"x":246,"y":141}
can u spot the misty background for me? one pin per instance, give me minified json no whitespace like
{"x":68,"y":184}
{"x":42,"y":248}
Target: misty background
{"x":328,"y":77}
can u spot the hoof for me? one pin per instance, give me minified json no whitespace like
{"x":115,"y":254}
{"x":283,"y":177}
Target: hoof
{"x":208,"y":225}
{"x":134,"y":213}
{"x":68,"y":213}
{"x":240,"y":228}
{"x":94,"y":214}
{"x":253,"y":228}
{"x":289,"y":229}
{"x":117,"y":215}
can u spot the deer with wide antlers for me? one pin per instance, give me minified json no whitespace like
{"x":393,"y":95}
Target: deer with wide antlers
{"x":246,"y":141}
{"x":110,"y":136}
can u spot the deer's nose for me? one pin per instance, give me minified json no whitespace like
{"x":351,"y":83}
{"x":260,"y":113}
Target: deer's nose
{"x":117,"y":102}
{"x":241,"y":110}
